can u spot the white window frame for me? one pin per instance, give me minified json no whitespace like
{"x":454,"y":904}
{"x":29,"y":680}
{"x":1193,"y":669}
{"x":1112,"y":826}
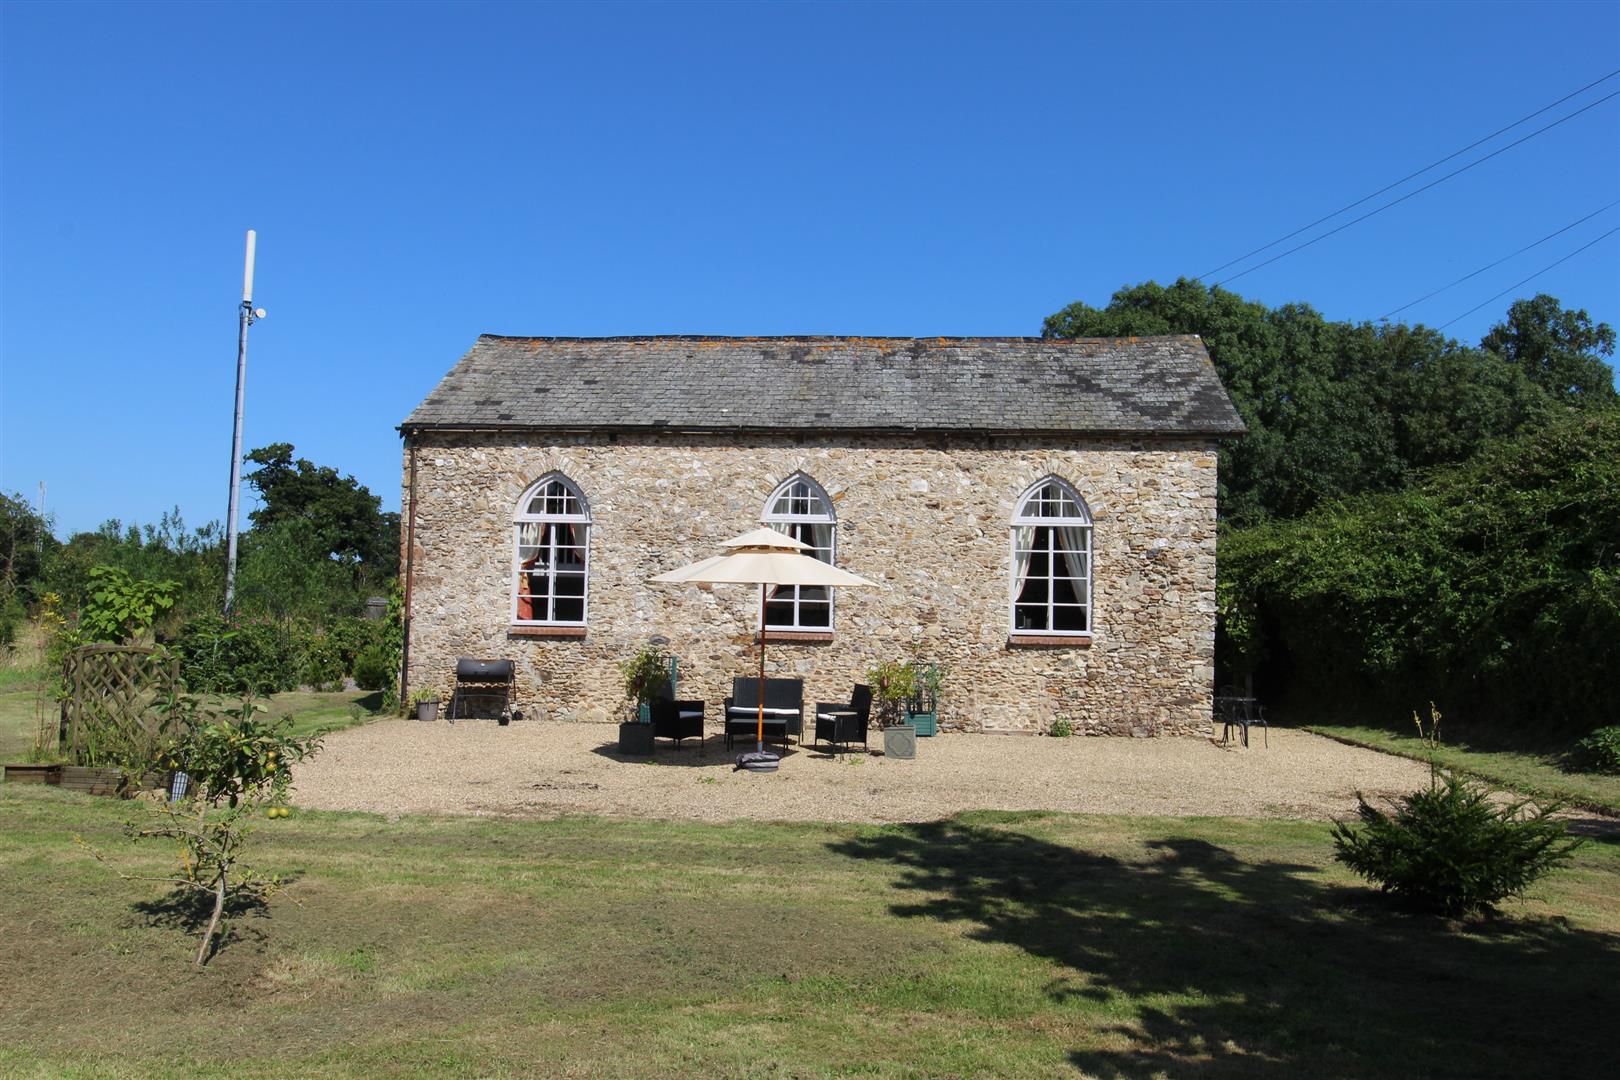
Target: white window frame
{"x":523,"y":517}
{"x":1028,"y":516}
{"x":784,"y":523}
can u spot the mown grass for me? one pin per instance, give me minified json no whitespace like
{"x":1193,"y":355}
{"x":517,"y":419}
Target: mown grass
{"x":995,"y":944}
{"x":1541,"y":771}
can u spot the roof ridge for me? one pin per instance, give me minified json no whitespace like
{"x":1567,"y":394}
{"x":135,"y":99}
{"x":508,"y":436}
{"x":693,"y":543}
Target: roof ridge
{"x":941,"y":338}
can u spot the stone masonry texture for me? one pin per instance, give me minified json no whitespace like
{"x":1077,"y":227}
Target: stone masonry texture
{"x":928,"y":516}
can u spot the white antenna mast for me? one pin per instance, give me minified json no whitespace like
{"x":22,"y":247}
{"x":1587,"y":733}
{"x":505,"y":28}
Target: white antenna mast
{"x":248,"y":317}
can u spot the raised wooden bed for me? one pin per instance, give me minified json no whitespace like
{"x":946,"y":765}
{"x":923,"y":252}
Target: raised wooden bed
{"x":33,"y":774}
{"x":95,"y":781}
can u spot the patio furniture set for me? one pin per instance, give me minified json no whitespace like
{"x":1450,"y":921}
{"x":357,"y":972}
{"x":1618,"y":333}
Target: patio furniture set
{"x":836,"y":723}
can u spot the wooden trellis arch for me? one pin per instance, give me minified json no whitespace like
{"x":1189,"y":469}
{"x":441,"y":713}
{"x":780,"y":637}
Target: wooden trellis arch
{"x":107,"y":714}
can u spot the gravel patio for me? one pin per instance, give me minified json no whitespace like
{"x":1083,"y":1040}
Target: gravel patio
{"x":395,"y":767}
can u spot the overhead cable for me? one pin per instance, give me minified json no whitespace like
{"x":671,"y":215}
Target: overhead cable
{"x":1499,"y":262}
{"x":1532,"y":277}
{"x":1418,"y":191}
{"x":1412,"y":175}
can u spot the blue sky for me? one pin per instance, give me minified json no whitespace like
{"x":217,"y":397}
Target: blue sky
{"x":419,"y":174}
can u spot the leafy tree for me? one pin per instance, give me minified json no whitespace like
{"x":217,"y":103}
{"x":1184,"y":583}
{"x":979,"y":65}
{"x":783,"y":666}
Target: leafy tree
{"x":346,"y":519}
{"x":1559,"y":349}
{"x":26,"y":544}
{"x":1333,"y":408}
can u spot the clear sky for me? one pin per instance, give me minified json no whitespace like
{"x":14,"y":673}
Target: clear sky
{"x":419,"y":174}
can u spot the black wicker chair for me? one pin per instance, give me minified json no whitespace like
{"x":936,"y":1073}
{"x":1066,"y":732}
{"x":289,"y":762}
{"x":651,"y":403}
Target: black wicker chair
{"x":844,"y":722}
{"x":676,"y":719}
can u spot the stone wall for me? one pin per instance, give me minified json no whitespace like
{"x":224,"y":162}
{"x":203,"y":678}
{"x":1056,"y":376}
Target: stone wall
{"x":927,"y":518}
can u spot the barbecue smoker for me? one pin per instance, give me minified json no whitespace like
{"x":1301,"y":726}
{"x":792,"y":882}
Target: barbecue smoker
{"x":483,"y":691}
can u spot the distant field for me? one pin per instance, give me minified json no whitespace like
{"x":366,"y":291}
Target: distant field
{"x":1006,"y":945}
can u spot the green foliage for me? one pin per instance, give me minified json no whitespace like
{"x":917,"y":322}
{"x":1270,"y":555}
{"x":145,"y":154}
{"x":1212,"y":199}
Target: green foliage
{"x":392,"y":637}
{"x":323,"y":667}
{"x":1495,"y":582}
{"x":253,"y":658}
{"x":167,"y":551}
{"x":1600,"y":751}
{"x":425,"y":695}
{"x":1561,"y":351}
{"x":1337,"y":409}
{"x":645,"y":674}
{"x":893,"y":683}
{"x":1452,"y":849}
{"x":285,"y":573}
{"x":231,"y":755}
{"x":26,"y":545}
{"x":374,"y":669}
{"x":344,"y":519}
{"x":1061,"y":728}
{"x":120,"y":608}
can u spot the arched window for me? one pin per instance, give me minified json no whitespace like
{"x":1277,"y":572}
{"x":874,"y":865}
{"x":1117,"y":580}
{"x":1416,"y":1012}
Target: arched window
{"x":801,"y":509}
{"x":1051,"y":549}
{"x":551,"y":554}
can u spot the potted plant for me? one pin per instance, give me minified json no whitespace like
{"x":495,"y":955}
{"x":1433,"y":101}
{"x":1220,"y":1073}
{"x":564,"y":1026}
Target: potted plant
{"x":893,"y":683}
{"x":645,"y":676}
{"x":922,"y":707}
{"x":426,"y":701}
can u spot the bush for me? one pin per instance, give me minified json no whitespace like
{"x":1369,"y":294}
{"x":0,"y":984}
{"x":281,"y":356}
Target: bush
{"x":1451,"y":849}
{"x":219,"y":658}
{"x":323,"y":664}
{"x":374,"y":668}
{"x":1600,"y":751}
{"x":1061,"y":728}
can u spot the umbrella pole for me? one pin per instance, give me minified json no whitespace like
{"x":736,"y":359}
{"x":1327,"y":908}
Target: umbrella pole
{"x":760,"y":734}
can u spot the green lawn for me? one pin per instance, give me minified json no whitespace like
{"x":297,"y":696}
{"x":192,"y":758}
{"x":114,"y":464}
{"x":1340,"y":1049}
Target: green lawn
{"x":19,"y":701}
{"x":1531,"y":771}
{"x":1016,"y":945}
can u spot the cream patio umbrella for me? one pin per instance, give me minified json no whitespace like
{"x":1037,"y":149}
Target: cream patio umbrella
{"x":765,"y":558}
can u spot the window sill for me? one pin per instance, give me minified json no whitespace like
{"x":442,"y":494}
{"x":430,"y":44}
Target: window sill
{"x":1049,"y":641}
{"x":800,"y":637}
{"x":546,"y":631}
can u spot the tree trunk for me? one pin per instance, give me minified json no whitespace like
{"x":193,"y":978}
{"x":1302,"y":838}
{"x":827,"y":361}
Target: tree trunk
{"x":213,"y":922}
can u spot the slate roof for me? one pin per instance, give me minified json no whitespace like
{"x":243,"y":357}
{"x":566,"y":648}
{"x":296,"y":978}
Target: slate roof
{"x":1149,"y":385}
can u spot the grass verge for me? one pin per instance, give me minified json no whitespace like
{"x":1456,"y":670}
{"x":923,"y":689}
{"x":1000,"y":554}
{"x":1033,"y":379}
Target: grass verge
{"x":993,"y":944}
{"x":1538,"y":774}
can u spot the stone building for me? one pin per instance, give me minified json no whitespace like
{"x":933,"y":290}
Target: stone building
{"x":1041,"y":514}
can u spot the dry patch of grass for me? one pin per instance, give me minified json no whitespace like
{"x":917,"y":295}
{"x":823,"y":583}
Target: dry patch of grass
{"x":1016,"y":945}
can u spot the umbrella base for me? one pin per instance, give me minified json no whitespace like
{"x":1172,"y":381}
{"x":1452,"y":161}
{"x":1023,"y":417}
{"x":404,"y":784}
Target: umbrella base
{"x":758,"y":761}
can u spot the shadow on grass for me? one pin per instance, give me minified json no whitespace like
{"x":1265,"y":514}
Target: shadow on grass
{"x":188,"y":911}
{"x":1223,"y":966}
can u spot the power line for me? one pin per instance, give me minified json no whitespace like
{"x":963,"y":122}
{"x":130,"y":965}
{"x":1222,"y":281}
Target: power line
{"x":1532,"y":277}
{"x":1418,"y":191}
{"x":1499,"y":262}
{"x":1413,"y":175}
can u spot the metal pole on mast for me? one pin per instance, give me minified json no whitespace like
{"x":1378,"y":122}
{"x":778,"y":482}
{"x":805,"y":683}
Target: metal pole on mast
{"x":248,"y":317}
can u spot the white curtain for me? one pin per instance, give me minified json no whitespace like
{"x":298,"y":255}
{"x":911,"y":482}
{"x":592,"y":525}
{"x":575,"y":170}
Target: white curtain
{"x":1023,"y":540}
{"x":1073,"y":543}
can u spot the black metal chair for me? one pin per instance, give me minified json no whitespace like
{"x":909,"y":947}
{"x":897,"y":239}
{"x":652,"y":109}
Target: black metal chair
{"x":784,"y":708}
{"x":1235,"y":710}
{"x":844,"y":722}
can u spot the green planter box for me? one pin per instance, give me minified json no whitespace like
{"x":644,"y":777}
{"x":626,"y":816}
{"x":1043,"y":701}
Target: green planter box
{"x":926,"y":723}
